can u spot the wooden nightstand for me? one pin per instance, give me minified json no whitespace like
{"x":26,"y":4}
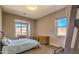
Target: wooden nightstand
{"x":43,"y":39}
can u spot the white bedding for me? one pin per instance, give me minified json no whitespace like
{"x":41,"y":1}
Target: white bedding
{"x":20,"y":45}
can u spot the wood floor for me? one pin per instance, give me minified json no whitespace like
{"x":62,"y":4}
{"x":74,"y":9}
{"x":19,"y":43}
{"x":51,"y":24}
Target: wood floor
{"x":43,"y":49}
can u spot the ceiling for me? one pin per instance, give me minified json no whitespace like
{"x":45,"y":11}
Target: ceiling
{"x":41,"y":11}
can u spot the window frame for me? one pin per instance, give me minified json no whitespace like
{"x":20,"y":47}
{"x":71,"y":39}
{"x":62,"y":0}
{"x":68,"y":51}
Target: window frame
{"x":60,"y":26}
{"x":27,"y":22}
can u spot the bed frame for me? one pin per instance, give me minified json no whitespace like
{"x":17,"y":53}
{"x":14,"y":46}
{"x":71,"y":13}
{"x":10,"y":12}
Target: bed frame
{"x":1,"y":37}
{"x":1,"y":34}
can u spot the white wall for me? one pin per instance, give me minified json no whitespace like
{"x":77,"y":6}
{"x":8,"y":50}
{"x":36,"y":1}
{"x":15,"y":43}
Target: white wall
{"x":0,"y":19}
{"x":46,"y":26}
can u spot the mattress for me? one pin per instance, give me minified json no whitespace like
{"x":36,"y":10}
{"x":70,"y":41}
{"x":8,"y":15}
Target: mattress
{"x":19,"y":46}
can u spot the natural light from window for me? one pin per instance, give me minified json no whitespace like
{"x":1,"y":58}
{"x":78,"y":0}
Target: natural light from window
{"x":22,"y":28}
{"x":61,"y":24}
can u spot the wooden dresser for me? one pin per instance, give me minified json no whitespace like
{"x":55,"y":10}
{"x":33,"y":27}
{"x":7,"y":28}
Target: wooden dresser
{"x":43,"y":39}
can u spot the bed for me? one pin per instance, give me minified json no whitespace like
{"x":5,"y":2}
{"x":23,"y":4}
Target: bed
{"x":20,"y":45}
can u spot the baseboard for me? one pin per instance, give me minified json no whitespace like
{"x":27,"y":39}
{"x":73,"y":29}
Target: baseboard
{"x":55,"y":45}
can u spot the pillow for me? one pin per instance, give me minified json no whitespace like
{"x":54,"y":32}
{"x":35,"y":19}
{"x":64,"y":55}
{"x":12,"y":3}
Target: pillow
{"x":6,"y":41}
{"x":9,"y":41}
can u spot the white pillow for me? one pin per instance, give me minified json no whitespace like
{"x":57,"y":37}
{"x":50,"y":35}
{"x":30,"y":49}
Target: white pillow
{"x":6,"y":41}
{"x":9,"y":41}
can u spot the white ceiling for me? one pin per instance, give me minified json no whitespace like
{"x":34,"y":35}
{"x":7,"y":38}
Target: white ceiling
{"x":41,"y":11}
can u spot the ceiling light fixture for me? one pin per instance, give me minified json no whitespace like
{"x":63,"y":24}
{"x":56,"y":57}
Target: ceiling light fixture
{"x":31,"y":7}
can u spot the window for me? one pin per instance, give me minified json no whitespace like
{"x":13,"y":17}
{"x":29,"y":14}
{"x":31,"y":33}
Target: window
{"x":22,"y":28}
{"x":61,"y":24}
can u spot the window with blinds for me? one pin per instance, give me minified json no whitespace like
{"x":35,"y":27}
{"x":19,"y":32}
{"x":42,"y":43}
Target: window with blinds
{"x":22,"y":28}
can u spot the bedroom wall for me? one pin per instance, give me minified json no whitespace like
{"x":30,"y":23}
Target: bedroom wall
{"x":46,"y":26}
{"x":0,"y":19}
{"x":9,"y":24}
